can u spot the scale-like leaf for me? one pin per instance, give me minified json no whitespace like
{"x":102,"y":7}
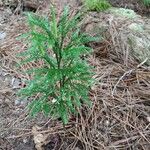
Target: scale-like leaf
{"x":57,"y":83}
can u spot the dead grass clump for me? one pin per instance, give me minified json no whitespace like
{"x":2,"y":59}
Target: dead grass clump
{"x":119,"y":118}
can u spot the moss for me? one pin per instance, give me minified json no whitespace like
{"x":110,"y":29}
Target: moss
{"x":97,"y":5}
{"x":136,"y":27}
{"x":124,"y":12}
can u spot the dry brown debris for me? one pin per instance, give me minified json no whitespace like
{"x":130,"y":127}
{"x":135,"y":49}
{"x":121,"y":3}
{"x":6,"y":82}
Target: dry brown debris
{"x":119,"y":116}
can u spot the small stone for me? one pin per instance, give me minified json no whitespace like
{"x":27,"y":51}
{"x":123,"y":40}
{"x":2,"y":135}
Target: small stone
{"x":2,"y":35}
{"x":123,"y":12}
{"x":54,"y":100}
{"x":148,"y":119}
{"x":107,"y":123}
{"x":22,"y":102}
{"x":15,"y":83}
{"x":17,"y":102}
{"x":3,"y":73}
{"x":25,"y":141}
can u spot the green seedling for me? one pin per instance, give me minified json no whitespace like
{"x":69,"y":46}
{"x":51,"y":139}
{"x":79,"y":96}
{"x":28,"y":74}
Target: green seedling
{"x":61,"y":85}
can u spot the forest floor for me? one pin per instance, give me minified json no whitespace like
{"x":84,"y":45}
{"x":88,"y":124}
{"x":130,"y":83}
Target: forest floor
{"x":119,"y":118}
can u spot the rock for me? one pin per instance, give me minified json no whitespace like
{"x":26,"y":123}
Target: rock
{"x":127,"y":33}
{"x":140,"y":47}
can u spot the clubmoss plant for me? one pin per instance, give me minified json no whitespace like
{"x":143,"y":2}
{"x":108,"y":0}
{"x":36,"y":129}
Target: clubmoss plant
{"x":62,"y":84}
{"x":97,"y":5}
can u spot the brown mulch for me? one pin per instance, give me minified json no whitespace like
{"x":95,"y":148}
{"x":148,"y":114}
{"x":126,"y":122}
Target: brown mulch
{"x":120,"y":115}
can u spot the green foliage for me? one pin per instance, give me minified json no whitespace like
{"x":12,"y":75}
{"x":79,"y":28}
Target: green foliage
{"x":97,"y":5}
{"x":63,"y":82}
{"x":146,"y":2}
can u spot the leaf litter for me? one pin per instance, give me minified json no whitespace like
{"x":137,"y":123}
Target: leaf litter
{"x":118,"y":119}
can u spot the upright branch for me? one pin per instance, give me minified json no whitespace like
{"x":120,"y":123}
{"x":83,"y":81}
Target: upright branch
{"x":62,"y":83}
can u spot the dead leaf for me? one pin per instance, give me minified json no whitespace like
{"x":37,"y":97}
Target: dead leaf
{"x":39,"y":138}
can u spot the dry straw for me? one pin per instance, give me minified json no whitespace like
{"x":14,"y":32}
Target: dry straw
{"x":119,"y":117}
